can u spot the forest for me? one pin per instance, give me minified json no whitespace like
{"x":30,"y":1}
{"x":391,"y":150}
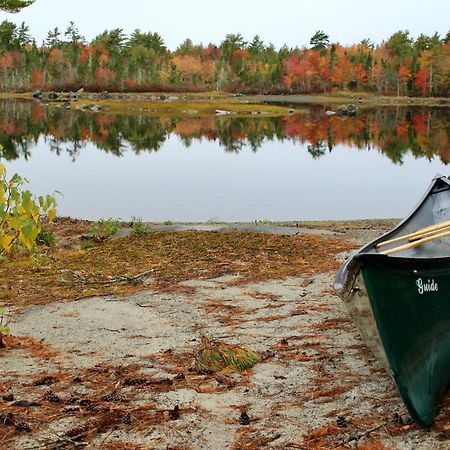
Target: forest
{"x":400,"y":65}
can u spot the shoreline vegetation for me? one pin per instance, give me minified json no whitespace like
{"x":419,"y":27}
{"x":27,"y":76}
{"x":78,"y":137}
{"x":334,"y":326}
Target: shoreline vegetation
{"x":216,"y":103}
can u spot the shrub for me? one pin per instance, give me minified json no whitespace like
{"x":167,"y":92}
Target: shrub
{"x":139,"y":227}
{"x":104,"y":228}
{"x":46,"y":237}
{"x":110,"y":226}
{"x":21,"y":214}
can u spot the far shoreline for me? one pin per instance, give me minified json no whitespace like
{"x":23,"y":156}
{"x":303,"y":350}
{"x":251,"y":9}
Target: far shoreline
{"x":204,"y":103}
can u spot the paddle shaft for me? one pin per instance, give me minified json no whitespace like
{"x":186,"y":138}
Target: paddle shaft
{"x":416,"y":243}
{"x":428,"y":233}
{"x":416,"y":234}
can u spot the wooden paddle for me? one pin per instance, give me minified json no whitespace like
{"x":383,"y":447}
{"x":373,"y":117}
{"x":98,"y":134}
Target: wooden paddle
{"x":428,"y":233}
{"x":416,"y":243}
{"x":417,"y":234}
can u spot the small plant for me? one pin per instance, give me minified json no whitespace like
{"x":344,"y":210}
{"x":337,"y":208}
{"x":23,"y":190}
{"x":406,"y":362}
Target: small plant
{"x":168,"y":222}
{"x":21,"y":214}
{"x":46,"y":237}
{"x":41,"y":259}
{"x":4,"y":330}
{"x":139,"y":227}
{"x":94,"y":230}
{"x":110,"y":226}
{"x":103,"y":229}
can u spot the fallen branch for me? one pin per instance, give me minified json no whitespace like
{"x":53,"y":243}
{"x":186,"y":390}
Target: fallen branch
{"x":88,"y":279}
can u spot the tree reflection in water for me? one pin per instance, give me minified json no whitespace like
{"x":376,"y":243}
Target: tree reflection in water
{"x":424,"y":132}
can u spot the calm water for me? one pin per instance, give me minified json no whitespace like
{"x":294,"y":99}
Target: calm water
{"x":300,"y":167}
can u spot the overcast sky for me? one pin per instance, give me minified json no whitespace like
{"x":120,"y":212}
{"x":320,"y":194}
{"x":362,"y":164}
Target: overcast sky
{"x":278,"y":21}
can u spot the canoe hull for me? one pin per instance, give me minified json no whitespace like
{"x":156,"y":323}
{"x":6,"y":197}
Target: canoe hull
{"x":411,"y":307}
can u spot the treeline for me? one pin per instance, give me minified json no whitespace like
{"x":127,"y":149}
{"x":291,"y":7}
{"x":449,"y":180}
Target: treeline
{"x":114,"y":61}
{"x":422,"y":132}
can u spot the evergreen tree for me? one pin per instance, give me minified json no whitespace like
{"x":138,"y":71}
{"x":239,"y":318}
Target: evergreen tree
{"x":13,"y":6}
{"x":319,"y":41}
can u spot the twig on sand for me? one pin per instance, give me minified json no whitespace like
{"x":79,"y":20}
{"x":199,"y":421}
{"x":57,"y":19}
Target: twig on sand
{"x":79,"y":277}
{"x":57,"y":443}
{"x":358,"y":436}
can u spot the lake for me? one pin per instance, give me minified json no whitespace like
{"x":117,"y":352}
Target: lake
{"x":303,"y":166}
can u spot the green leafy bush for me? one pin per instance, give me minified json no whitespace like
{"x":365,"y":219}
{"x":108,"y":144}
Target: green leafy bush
{"x":104,"y":228}
{"x":21,"y":214}
{"x":139,"y":227}
{"x":46,"y":237}
{"x":110,"y":226}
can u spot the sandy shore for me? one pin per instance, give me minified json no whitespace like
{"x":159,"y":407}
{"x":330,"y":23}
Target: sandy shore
{"x":116,"y":371}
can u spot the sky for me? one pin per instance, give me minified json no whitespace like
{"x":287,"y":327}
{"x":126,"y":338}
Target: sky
{"x":278,"y":21}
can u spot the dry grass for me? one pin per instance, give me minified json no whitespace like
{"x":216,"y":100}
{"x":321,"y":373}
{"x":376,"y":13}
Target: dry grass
{"x":175,"y":257}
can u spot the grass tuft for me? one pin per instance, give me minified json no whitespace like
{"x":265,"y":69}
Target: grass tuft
{"x":215,"y":357}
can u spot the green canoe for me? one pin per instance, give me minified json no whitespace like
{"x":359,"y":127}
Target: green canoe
{"x":401,"y":304}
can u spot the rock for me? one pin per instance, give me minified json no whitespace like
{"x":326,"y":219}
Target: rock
{"x":80,"y":91}
{"x":104,"y":95}
{"x":347,"y":110}
{"x":330,"y":113}
{"x":221,"y":112}
{"x":95,"y":108}
{"x":66,"y":105}
{"x":73,"y":95}
{"x":37,"y":94}
{"x":53,"y":96}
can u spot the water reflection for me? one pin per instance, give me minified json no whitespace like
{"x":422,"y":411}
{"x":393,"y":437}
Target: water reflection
{"x":423,"y":132}
{"x":304,"y":166}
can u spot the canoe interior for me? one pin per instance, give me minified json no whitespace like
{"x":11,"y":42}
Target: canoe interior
{"x":434,"y":208}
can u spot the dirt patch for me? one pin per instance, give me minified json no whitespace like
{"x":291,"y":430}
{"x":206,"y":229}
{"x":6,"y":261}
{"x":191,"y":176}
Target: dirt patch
{"x":121,"y":372}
